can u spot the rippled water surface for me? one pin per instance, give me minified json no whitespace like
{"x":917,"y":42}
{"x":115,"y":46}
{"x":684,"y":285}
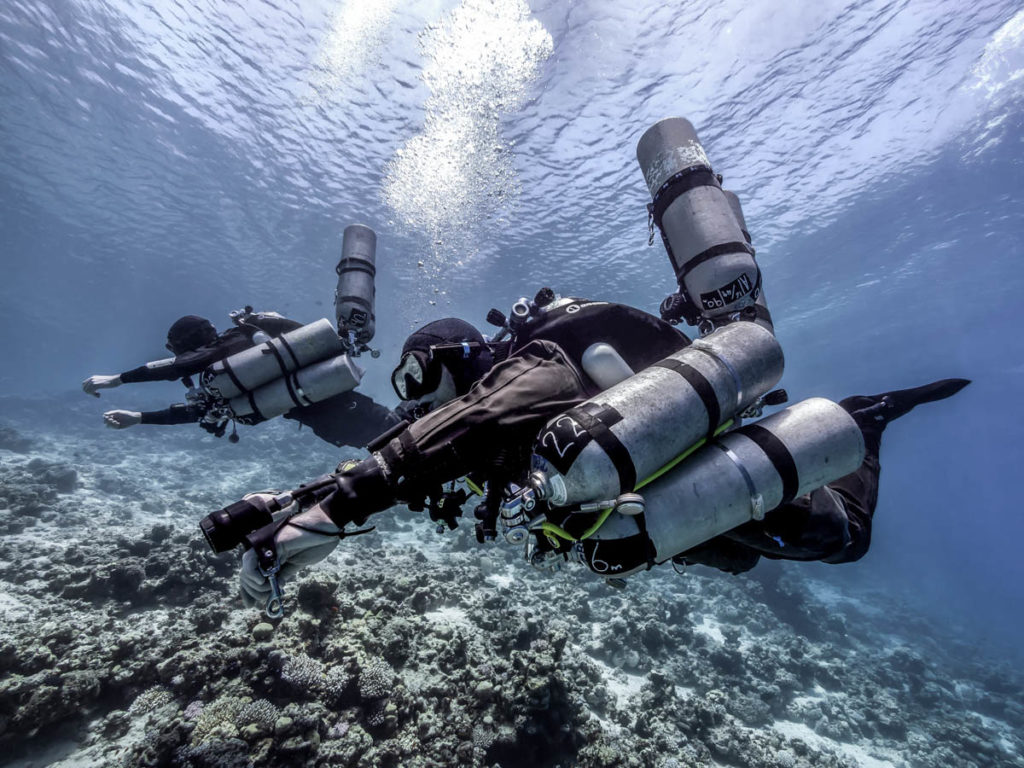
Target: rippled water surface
{"x":162,"y":158}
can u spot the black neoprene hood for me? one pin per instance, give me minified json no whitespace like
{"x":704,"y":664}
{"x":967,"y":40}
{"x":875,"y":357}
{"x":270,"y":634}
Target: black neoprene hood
{"x":189,"y":333}
{"x":451,"y":330}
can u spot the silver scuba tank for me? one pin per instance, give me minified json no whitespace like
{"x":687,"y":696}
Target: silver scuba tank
{"x":762,"y":316}
{"x":305,"y":386}
{"x":605,"y":446}
{"x":354,"y":296}
{"x":737,"y":478}
{"x":253,"y":367}
{"x":713,"y":263}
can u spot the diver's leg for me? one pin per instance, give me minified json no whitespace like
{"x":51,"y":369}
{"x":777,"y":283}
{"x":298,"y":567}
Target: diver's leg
{"x":833,"y":523}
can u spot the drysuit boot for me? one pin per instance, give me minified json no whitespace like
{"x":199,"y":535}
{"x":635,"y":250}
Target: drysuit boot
{"x":873,"y":412}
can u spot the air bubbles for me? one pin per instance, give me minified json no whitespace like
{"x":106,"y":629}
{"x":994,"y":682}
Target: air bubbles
{"x":458,"y":171}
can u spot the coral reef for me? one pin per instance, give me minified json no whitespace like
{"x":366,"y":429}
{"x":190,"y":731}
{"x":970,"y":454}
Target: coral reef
{"x":125,"y":642}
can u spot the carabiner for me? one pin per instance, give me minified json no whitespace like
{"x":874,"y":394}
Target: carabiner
{"x":274,"y":608}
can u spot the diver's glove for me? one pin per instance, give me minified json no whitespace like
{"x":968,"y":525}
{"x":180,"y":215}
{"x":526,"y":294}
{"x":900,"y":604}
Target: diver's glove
{"x":122,"y":419}
{"x":306,"y":538}
{"x":360,"y":491}
{"x":94,"y":383}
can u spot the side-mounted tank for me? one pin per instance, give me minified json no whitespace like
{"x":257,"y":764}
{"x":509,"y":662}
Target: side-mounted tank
{"x":356,"y":293}
{"x":251,"y":368}
{"x":734,"y":479}
{"x":712,"y":260}
{"x":303,"y":387}
{"x":619,"y":438}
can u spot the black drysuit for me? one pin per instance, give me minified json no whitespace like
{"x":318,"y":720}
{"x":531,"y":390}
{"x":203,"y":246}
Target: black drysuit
{"x":349,"y":418}
{"x":489,"y":432}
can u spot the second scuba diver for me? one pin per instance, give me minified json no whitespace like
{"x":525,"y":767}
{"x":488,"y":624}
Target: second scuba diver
{"x":269,"y":365}
{"x":346,"y":419}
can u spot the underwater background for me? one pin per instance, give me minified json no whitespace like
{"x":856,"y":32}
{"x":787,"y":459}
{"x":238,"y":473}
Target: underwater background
{"x":168,"y":158}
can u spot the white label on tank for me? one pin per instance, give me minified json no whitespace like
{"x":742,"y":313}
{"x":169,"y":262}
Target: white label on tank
{"x":671,"y":161}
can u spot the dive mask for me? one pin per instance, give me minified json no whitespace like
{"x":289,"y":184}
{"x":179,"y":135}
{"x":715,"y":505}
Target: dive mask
{"x":417,"y":374}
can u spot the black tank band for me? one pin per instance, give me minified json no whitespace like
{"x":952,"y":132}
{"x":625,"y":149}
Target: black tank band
{"x":290,"y":384}
{"x":355,"y":265}
{"x":291,"y":352}
{"x":277,"y":356}
{"x":596,"y":420}
{"x":252,"y":404}
{"x":713,"y":253}
{"x":701,"y":386}
{"x":650,"y":551}
{"x":678,"y":184}
{"x":234,"y":379}
{"x":780,"y":457}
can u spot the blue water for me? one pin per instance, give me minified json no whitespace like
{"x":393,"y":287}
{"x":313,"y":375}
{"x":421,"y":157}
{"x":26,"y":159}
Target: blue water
{"x":158,"y":159}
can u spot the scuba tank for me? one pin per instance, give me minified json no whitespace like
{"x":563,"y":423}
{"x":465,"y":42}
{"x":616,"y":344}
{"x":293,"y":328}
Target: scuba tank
{"x":619,"y":438}
{"x":305,"y":386}
{"x":761,"y":314}
{"x":702,"y":231}
{"x":251,"y":368}
{"x":354,"y":296}
{"x":736,"y":478}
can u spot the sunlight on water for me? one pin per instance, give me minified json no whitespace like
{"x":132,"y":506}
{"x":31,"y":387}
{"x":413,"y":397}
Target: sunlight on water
{"x":1001,"y":66}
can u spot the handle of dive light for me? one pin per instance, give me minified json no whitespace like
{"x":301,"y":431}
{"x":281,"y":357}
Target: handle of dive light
{"x":228,"y":527}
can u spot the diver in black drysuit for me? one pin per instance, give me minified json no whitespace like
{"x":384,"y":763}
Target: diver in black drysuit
{"x":505,"y":394}
{"x":347,"y":419}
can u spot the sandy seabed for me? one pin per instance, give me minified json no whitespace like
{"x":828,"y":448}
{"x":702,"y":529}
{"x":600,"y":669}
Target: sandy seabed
{"x":123,"y":641}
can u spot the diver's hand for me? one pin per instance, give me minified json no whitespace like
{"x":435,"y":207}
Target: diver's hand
{"x":122,"y":419}
{"x":94,"y":383}
{"x":306,"y":539}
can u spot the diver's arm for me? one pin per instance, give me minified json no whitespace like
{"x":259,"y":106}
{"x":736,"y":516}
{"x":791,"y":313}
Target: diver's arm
{"x":176,"y":414}
{"x":121,"y":419}
{"x":94,"y":383}
{"x":174,"y":368}
{"x":506,"y":408}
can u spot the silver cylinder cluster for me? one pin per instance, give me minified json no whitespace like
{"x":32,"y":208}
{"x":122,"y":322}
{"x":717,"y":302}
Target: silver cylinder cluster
{"x":742,"y":475}
{"x":298,"y":368}
{"x":253,"y":367}
{"x":632,"y":430}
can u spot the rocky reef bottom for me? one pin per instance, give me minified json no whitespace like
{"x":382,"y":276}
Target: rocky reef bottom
{"x":124,"y":643}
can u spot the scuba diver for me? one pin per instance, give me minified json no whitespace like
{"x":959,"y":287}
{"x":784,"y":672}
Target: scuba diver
{"x":487,"y":432}
{"x":575,"y":406}
{"x":267,"y":365}
{"x":344,"y":419}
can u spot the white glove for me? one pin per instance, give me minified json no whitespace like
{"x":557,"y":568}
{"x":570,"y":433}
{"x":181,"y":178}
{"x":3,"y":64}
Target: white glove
{"x":122,"y":419}
{"x":94,"y":383}
{"x":296,"y":548}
